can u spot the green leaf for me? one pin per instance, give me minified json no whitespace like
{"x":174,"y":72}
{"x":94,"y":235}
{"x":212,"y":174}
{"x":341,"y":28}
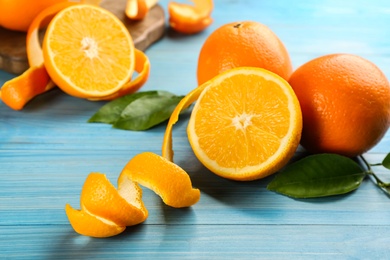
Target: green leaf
{"x":386,"y":161}
{"x":146,"y":112}
{"x":318,"y":176}
{"x":110,"y":112}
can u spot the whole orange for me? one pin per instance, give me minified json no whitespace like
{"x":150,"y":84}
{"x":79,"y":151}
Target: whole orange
{"x":345,"y":102}
{"x":18,"y":14}
{"x":238,"y":44}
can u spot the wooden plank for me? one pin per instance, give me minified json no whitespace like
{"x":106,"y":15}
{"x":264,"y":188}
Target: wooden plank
{"x":199,"y":242}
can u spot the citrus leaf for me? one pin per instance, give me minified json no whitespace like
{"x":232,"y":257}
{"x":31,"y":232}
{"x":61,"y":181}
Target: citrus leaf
{"x":146,"y":112}
{"x":386,"y":161}
{"x":318,"y":176}
{"x":111,"y":112}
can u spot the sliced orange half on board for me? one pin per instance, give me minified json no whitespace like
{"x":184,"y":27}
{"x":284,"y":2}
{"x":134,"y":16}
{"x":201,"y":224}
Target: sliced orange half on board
{"x":245,"y":125}
{"x":88,"y":58}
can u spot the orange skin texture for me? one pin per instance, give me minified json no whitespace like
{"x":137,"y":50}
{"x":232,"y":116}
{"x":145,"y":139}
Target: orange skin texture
{"x":345,"y":102}
{"x":18,"y":14}
{"x":241,"y":44}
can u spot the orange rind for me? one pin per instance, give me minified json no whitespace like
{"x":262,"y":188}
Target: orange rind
{"x":190,"y":19}
{"x":17,"y":92}
{"x":87,"y":224}
{"x":162,"y":176}
{"x":106,"y":211}
{"x":138,"y":9}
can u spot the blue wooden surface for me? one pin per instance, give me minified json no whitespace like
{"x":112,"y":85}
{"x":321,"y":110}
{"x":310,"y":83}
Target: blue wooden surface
{"x":48,"y":149}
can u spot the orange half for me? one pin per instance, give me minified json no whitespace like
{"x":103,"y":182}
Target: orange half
{"x":88,"y":52}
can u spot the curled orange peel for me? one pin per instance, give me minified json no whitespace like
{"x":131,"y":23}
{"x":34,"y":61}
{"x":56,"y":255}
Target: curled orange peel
{"x":190,"y":19}
{"x":162,"y":176}
{"x":167,"y":151}
{"x":138,"y":9}
{"x":105,"y":210}
{"x":16,"y":92}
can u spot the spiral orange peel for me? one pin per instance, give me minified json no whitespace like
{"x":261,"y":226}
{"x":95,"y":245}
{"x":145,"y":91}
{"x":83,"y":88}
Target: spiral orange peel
{"x":106,"y":211}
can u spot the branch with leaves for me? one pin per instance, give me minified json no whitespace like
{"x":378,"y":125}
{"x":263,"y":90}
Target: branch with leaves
{"x":324,"y":175}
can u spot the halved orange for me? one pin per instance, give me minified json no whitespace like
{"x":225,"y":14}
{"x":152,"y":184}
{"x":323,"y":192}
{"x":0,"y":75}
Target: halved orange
{"x":245,"y":125}
{"x":88,"y":52}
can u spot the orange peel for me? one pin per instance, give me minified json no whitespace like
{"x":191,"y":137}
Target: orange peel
{"x":165,"y":178}
{"x":138,"y":9}
{"x":89,"y":225}
{"x":167,"y":151}
{"x":106,"y":211}
{"x":190,"y":19}
{"x":17,"y":92}
{"x":110,"y":210}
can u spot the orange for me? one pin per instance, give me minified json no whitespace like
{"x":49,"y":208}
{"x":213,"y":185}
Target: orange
{"x":240,"y":44}
{"x":245,"y":125}
{"x":18,"y":14}
{"x":190,"y":19}
{"x":345,"y":102}
{"x":93,"y":61}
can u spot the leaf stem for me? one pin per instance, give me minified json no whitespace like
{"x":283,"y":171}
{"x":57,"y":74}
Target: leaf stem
{"x":382,"y":185}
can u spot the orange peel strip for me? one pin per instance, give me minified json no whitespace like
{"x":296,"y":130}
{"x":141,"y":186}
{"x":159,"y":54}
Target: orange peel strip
{"x":16,"y":92}
{"x":190,"y":19}
{"x":167,"y":151}
{"x":89,"y":225}
{"x":101,"y":198}
{"x":142,"y":67}
{"x":138,"y":9}
{"x":165,"y":178}
{"x":110,"y":210}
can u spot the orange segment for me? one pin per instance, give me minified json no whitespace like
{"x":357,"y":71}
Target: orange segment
{"x":165,"y":178}
{"x":101,"y":199}
{"x":142,"y":67}
{"x":190,"y":19}
{"x":94,"y":60}
{"x":90,"y":225}
{"x":16,"y":92}
{"x":246,"y":124}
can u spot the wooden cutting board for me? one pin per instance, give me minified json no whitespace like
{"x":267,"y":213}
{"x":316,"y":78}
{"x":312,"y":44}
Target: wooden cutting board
{"x":13,"y":56}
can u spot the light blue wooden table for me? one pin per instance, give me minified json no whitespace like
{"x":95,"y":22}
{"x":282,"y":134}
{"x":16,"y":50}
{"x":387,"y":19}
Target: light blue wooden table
{"x":47,"y":150}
